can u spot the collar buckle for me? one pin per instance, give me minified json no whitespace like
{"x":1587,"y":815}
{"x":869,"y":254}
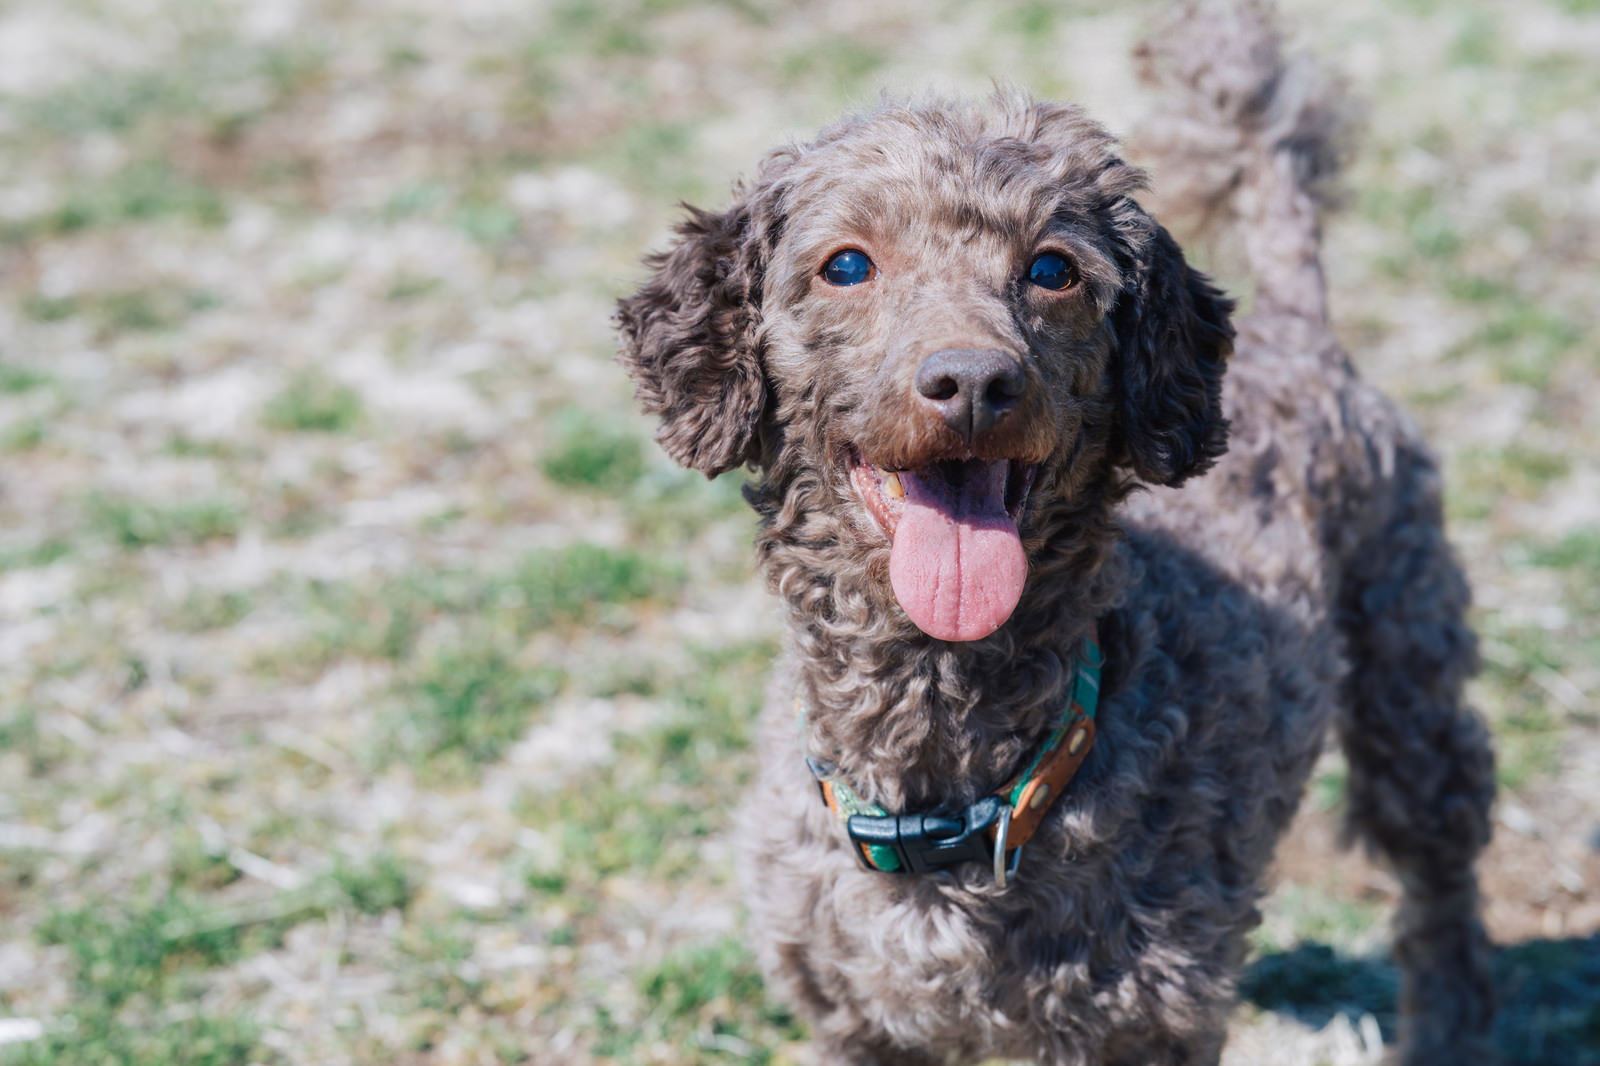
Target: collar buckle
{"x":927,"y":842}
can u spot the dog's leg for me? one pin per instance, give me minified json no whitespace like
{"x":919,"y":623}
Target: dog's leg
{"x":1421,"y":771}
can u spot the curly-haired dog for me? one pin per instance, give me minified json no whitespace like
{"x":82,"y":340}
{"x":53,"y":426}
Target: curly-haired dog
{"x":971,"y":374}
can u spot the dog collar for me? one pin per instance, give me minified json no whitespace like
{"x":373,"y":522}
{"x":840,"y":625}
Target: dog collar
{"x":993,"y":829}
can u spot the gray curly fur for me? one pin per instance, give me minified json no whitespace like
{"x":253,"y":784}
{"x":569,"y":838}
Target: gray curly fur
{"x":1303,"y":581}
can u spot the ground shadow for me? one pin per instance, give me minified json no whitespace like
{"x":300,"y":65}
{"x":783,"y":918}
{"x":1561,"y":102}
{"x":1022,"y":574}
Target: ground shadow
{"x":1549,"y":995}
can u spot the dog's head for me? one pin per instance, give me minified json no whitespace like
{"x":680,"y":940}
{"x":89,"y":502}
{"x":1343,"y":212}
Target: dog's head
{"x":943,"y":312}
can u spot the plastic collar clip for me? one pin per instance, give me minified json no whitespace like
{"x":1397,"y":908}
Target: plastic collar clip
{"x":927,"y":842}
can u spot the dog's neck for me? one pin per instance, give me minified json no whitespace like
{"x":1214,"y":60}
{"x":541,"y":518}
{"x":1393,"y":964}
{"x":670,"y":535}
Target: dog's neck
{"x":918,"y":723}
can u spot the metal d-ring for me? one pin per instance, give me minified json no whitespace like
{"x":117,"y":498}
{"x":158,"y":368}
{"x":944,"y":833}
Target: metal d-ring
{"x":1003,"y":870}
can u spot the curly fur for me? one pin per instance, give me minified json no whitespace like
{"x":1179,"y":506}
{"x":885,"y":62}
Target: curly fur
{"x":1303,"y":581}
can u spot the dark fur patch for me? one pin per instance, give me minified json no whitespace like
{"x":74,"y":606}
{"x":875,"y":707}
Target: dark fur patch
{"x":690,"y":340}
{"x":1174,"y":338}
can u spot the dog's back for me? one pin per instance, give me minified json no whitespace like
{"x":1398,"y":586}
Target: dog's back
{"x":1329,"y":500}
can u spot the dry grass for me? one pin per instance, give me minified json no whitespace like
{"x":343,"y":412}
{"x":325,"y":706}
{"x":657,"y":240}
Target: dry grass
{"x":370,"y":689}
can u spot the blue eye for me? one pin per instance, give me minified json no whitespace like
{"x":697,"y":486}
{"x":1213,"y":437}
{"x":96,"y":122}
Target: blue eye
{"x":1051,"y":270}
{"x":848,"y":267}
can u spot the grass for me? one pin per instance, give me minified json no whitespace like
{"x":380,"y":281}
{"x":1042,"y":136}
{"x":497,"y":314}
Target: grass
{"x":19,"y":379}
{"x":709,"y":997}
{"x":545,"y":589}
{"x":143,"y":192}
{"x":1579,"y":552}
{"x":1485,"y":478}
{"x":134,"y":970}
{"x":149,"y":309}
{"x":313,"y":403}
{"x":132,"y":523}
{"x":672,"y":784}
{"x":28,"y":750}
{"x":205,"y":610}
{"x":23,"y":435}
{"x":490,"y":224}
{"x":45,"y":552}
{"x":590,"y":454}
{"x":578,"y":582}
{"x":138,"y":966}
{"x":465,"y":706}
{"x":1308,"y":913}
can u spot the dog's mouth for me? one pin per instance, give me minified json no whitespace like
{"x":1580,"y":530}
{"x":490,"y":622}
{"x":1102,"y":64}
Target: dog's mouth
{"x":956,"y":561}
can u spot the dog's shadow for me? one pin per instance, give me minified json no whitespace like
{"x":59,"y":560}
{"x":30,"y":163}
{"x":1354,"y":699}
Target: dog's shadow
{"x":1549,"y":995}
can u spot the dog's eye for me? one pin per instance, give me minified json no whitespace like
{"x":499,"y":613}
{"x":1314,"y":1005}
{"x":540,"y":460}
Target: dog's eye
{"x":849,"y":267}
{"x":1051,"y":270}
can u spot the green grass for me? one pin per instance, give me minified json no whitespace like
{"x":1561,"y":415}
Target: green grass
{"x":201,"y":81}
{"x":700,"y":975}
{"x":465,"y":706}
{"x":18,"y":379}
{"x":29,"y":748}
{"x":1578,"y":551}
{"x":140,"y":965}
{"x":141,"y":951}
{"x":375,"y":885}
{"x":132,"y":523}
{"x":670,"y":507}
{"x":1533,"y":341}
{"x":489,"y":224}
{"x":1477,"y":41}
{"x":1316,"y":915}
{"x":708,"y":996}
{"x":1483,"y":479}
{"x":45,"y":552}
{"x":148,"y":309}
{"x":408,"y":287}
{"x":207,"y":610}
{"x":578,"y":582}
{"x":1528,"y":727}
{"x":144,"y":191}
{"x":591,"y":454}
{"x":645,"y":818}
{"x":312,"y":402}
{"x":671,"y":785}
{"x":554,"y":588}
{"x":419,"y":199}
{"x":465,"y":693}
{"x":650,"y":153}
{"x":844,"y":65}
{"x":175,"y":1036}
{"x":24,"y":435}
{"x":136,"y":967}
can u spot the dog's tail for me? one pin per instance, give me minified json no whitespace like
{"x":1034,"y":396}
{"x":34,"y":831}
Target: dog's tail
{"x":1248,"y":132}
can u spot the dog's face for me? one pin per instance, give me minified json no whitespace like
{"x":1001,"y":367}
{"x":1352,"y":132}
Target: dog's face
{"x":942,"y":314}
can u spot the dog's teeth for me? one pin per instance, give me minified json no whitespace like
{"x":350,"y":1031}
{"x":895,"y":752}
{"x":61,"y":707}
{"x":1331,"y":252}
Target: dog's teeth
{"x":891,"y":485}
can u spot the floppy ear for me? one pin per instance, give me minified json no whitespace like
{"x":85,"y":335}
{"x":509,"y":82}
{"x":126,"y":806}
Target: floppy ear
{"x":1174,"y":337}
{"x":689,"y":340}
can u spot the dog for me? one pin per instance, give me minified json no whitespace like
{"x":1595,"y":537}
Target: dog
{"x":1077,"y":571}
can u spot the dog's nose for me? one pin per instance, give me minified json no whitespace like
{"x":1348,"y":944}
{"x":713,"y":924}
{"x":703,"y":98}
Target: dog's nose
{"x":972,"y":388}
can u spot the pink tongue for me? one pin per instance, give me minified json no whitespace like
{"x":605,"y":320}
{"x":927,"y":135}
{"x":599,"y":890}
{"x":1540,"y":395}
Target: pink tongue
{"x":957,"y":564}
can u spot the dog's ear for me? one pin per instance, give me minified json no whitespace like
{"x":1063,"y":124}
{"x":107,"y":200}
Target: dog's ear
{"x":1174,"y":337}
{"x":690,"y":339}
